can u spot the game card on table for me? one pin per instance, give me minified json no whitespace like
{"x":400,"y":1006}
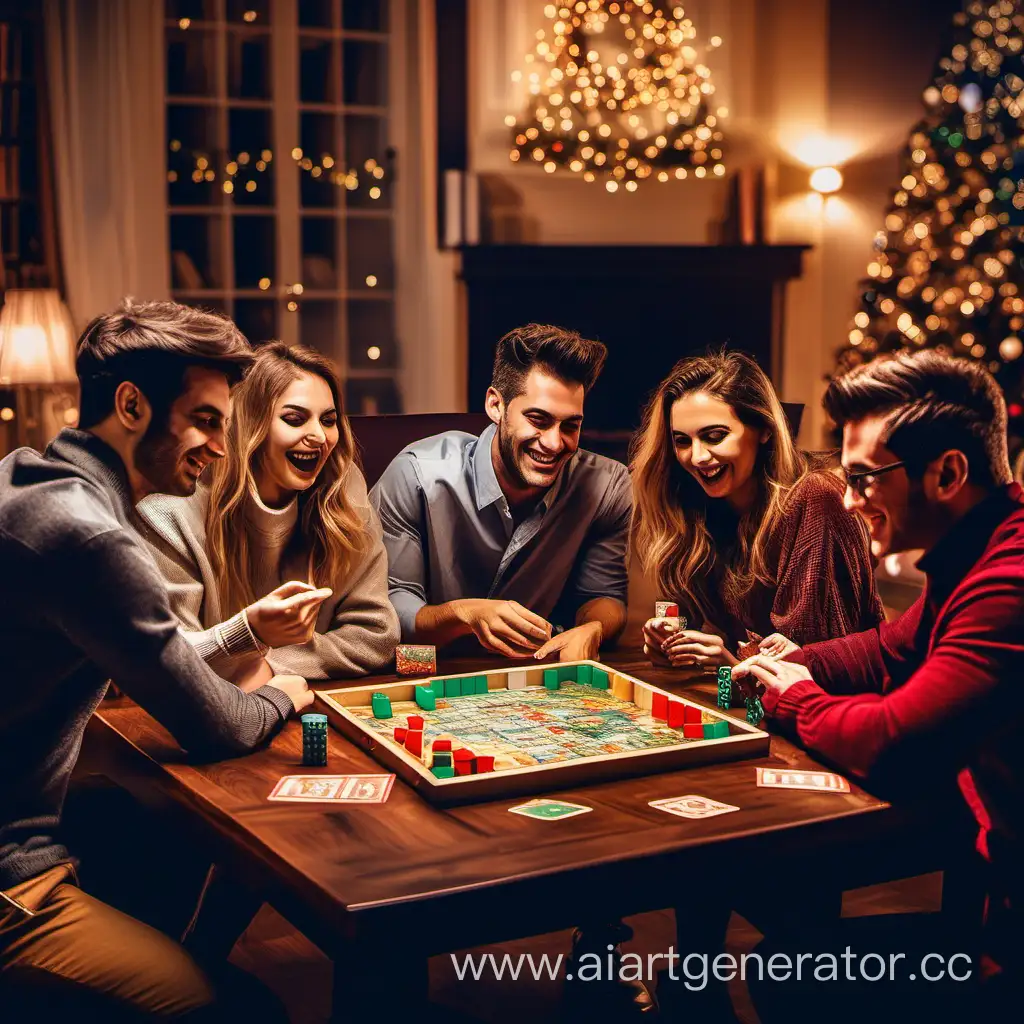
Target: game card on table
{"x":549,"y":810}
{"x":822,"y":782}
{"x":692,"y":806}
{"x":342,"y":789}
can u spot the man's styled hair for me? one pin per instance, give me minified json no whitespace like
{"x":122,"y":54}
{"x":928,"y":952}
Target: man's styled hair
{"x":935,"y":403}
{"x":561,"y":353}
{"x":152,"y":344}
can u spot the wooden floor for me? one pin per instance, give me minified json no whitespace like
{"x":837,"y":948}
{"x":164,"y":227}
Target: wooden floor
{"x":296,"y":970}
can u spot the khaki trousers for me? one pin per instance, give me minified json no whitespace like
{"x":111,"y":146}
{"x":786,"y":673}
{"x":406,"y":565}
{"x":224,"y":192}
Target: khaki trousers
{"x":79,"y":954}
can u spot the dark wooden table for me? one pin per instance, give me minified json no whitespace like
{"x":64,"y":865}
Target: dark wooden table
{"x":380,"y":886}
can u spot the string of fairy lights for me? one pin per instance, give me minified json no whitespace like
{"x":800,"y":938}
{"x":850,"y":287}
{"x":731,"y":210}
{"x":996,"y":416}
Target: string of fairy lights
{"x":618,"y":90}
{"x":947,"y":271}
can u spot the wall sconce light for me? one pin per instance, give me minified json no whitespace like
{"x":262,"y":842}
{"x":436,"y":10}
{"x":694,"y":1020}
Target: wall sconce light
{"x":826,"y":180}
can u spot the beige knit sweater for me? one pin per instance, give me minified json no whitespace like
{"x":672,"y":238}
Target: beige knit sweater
{"x":356,"y":631}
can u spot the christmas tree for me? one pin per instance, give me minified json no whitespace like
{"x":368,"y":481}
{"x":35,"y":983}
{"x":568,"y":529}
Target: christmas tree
{"x":618,"y":91}
{"x":948,"y":269}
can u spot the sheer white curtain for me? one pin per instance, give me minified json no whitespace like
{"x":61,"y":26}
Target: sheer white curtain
{"x":105,"y":66}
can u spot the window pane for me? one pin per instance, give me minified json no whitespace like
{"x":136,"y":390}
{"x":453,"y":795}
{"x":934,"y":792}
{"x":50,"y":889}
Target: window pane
{"x":318,"y":70}
{"x":366,"y":152}
{"x":249,"y":139}
{"x":319,"y":253}
{"x":197,"y":10}
{"x":197,"y":252}
{"x":248,"y":65}
{"x":365,"y":15}
{"x":319,"y":327}
{"x":193,"y":158}
{"x":316,"y":13}
{"x":257,"y":319}
{"x":368,"y":249}
{"x":318,"y":139}
{"x":371,"y":334}
{"x":191,"y":62}
{"x":371,"y":397}
{"x":365,"y":73}
{"x":248,"y":12}
{"x":254,"y":251}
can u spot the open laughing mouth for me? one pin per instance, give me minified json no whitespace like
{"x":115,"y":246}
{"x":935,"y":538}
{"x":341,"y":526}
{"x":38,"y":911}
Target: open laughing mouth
{"x":304,"y":462}
{"x":194,"y":467}
{"x":712,"y":475}
{"x":542,"y":461}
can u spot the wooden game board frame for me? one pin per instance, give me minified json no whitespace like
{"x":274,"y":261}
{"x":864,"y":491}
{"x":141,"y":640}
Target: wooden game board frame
{"x":743,"y":741}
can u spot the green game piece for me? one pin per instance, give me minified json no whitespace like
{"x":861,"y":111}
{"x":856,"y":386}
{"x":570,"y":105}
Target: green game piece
{"x":453,"y":687}
{"x":443,"y":759}
{"x":600,"y":679}
{"x":724,"y":686}
{"x":567,"y":674}
{"x":443,"y":773}
{"x":436,"y":687}
{"x":314,"y":740}
{"x":755,"y":710}
{"x":551,"y":678}
{"x":468,"y":686}
{"x":585,"y":675}
{"x":481,"y":684}
{"x":719,"y":731}
{"x":381,"y":704}
{"x":426,"y":698}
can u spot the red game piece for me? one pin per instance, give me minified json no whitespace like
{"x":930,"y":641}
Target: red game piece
{"x":659,"y":706}
{"x":414,"y":742}
{"x":485,"y":763}
{"x":400,"y":734}
{"x":692,"y":715}
{"x":416,"y":722}
{"x":462,"y":754}
{"x":463,"y":767}
{"x":693,"y":731}
{"x":675,"y":713}
{"x":442,"y":744}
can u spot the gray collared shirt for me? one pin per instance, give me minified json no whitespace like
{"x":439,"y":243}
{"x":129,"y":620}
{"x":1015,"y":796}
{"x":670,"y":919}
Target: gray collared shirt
{"x":449,"y":533}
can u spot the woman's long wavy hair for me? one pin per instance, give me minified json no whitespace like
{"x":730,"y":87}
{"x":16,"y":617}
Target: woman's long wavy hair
{"x":671,"y":511}
{"x":330,"y":534}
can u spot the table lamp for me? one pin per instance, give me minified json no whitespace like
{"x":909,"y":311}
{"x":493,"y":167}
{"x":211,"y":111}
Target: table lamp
{"x":37,"y":367}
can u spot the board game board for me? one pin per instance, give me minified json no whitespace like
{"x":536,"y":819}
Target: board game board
{"x":521,"y":731}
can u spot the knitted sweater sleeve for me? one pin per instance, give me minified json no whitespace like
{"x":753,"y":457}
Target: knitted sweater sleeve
{"x":825,"y":582}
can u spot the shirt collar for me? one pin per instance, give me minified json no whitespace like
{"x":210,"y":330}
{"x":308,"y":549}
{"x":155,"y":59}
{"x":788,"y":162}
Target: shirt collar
{"x":485,"y":480}
{"x":96,"y":459}
{"x":949,"y":561}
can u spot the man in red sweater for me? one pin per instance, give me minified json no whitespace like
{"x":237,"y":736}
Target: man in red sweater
{"x":934,"y":693}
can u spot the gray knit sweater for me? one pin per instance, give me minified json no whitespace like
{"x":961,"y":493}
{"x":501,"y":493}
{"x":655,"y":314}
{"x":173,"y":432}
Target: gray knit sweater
{"x":357,"y":629}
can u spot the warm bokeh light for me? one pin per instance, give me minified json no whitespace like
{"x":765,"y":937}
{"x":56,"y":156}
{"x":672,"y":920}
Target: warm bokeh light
{"x":826,"y":180}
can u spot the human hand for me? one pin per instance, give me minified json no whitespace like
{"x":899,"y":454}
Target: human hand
{"x":253,"y":678}
{"x":297,"y":689}
{"x":505,"y":627}
{"x":581,"y":643}
{"x":691,"y":647}
{"x":656,"y":631}
{"x":287,"y":615}
{"x":777,"y":646}
{"x":760,"y":673}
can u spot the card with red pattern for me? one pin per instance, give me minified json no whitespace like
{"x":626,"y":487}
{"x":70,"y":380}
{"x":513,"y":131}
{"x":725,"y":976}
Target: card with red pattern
{"x":338,"y":789}
{"x":822,"y":782}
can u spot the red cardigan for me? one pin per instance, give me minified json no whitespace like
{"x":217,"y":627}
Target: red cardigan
{"x":936,"y":693}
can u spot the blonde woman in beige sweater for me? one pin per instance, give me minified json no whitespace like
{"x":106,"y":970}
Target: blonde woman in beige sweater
{"x":285,"y":516}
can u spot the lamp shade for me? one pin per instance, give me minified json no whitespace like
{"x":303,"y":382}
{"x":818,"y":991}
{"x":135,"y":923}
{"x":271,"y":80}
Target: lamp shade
{"x":37,"y":344}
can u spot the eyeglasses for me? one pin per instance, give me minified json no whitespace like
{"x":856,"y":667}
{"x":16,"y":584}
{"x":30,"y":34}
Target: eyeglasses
{"x":860,"y":482}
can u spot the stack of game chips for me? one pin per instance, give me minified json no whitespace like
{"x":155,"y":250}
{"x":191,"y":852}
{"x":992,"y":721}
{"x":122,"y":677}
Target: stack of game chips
{"x":314,"y":740}
{"x":724,"y":686}
{"x":755,"y":710}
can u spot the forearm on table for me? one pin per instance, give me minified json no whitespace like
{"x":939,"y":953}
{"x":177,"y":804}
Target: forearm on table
{"x":440,"y":624}
{"x":608,"y":612}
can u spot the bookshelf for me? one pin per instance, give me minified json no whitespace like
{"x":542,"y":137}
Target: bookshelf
{"x":280,"y":176}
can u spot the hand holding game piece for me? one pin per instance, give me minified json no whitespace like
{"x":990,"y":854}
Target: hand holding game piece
{"x":777,"y":646}
{"x":656,"y":632}
{"x":287,"y":615}
{"x":297,"y":688}
{"x":581,"y":643}
{"x":760,"y":673}
{"x":690,"y":647}
{"x":505,"y":627}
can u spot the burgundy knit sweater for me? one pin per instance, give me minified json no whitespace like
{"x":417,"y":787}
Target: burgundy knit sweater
{"x":824,"y":582}
{"x":936,"y":693}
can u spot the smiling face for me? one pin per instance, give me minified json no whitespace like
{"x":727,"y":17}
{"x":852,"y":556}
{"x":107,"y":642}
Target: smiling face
{"x":538,"y":432}
{"x":890,"y":503}
{"x":716,"y":448}
{"x":170,"y":458}
{"x":303,"y":433}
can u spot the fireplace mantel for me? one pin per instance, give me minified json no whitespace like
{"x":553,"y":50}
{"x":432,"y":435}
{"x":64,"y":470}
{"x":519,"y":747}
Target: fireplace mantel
{"x":650,"y":304}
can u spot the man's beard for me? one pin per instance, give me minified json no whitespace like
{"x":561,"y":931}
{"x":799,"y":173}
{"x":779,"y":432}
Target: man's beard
{"x":507,"y":451}
{"x":157,"y":458}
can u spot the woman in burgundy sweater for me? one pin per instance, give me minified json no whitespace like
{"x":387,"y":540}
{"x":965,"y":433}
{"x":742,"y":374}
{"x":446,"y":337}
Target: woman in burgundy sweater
{"x":749,"y":534}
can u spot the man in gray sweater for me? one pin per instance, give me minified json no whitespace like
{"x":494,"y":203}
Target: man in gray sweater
{"x":81,"y":602}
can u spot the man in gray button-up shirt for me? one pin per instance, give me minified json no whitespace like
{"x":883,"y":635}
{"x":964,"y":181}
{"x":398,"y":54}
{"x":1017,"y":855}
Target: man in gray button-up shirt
{"x":519,"y":531}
